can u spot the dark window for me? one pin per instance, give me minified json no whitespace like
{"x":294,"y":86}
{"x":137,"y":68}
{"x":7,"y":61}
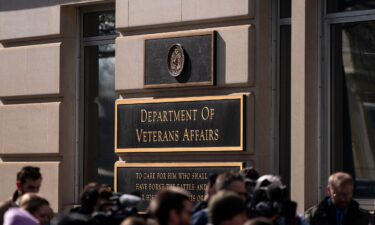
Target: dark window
{"x":284,"y":119}
{"x":349,"y":5}
{"x":353,"y":103}
{"x":98,"y":97}
{"x":99,"y":24}
{"x":285,"y":9}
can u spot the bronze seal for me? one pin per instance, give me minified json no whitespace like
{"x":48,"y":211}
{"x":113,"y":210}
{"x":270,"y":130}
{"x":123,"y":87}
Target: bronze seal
{"x":176,"y":60}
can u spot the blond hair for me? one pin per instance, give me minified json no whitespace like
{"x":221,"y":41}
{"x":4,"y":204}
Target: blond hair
{"x":31,"y":202}
{"x":339,"y":180}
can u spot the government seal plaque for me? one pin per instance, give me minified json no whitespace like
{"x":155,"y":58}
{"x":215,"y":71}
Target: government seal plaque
{"x":146,"y":179}
{"x":179,"y":59}
{"x":176,"y":60}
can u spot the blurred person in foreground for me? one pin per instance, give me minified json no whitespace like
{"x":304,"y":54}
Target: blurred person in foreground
{"x":251,"y":176}
{"x":33,"y":209}
{"x":37,"y":206}
{"x":71,"y":219}
{"x":259,"y":221}
{"x":171,"y":206}
{"x":227,"y":208}
{"x":270,"y":200}
{"x":133,"y":221}
{"x":18,"y":216}
{"x":209,"y":191}
{"x":338,"y":208}
{"x":29,"y":180}
{"x":94,"y":198}
{"x":230,"y":181}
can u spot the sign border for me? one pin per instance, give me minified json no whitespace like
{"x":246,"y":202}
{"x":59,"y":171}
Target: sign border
{"x":123,"y":164}
{"x":185,"y":99}
{"x":181,"y":35}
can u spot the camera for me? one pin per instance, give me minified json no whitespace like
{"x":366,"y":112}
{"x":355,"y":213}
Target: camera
{"x":116,"y":210}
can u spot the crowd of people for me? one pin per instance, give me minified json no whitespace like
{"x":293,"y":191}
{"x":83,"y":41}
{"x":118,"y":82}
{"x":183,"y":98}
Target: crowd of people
{"x":231,"y":198}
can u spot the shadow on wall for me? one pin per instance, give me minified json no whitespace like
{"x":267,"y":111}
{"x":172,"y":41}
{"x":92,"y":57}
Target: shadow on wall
{"x":220,"y":59}
{"x":6,"y":5}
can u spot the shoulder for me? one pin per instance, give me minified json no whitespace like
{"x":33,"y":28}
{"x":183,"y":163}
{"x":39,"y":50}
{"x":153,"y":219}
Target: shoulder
{"x":362,"y":217}
{"x":6,"y":205}
{"x":200,"y":217}
{"x":354,"y":207}
{"x":319,"y":209}
{"x":19,"y":216}
{"x":309,"y":213}
{"x":318,"y":214}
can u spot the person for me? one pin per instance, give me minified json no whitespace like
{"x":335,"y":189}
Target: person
{"x":37,"y":206}
{"x":338,"y":208}
{"x":251,"y":175}
{"x":171,"y":206}
{"x":94,"y":198}
{"x":71,"y":219}
{"x":18,"y":216}
{"x":227,"y":208}
{"x":209,"y":191}
{"x":270,"y":200}
{"x":226,"y":181}
{"x":231,"y":181}
{"x":259,"y":221}
{"x":29,"y":180}
{"x":132,"y":220}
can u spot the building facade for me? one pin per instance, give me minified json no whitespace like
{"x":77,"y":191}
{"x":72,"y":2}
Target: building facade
{"x":303,"y":68}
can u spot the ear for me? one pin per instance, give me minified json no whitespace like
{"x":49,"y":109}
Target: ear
{"x":18,"y":184}
{"x":173,"y":217}
{"x":328,"y":191}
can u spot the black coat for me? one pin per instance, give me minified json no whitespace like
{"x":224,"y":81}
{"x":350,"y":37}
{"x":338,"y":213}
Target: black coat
{"x":325,"y":214}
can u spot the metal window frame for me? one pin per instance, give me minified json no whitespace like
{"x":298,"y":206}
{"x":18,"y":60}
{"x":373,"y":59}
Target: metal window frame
{"x":325,"y":95}
{"x":277,"y":22}
{"x":82,"y":43}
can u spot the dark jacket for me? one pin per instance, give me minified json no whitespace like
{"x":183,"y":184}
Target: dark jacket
{"x":4,"y":206}
{"x":325,"y":214}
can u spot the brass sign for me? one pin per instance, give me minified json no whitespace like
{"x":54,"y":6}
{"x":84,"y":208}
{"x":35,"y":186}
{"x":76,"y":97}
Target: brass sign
{"x":211,"y":123}
{"x":146,"y":179}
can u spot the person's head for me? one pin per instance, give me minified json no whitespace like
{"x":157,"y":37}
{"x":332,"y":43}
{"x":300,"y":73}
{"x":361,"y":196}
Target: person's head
{"x":251,"y":175}
{"x":210,"y":187}
{"x":71,"y":219}
{"x":29,"y":180}
{"x":96,"y":198}
{"x":227,"y":208}
{"x":232,"y":182}
{"x":171,"y":206}
{"x":133,"y":221}
{"x":37,"y":206}
{"x":259,"y":221}
{"x":340,"y":189}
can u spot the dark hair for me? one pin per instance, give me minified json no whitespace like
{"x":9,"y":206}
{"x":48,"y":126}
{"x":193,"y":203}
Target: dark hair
{"x":212,"y":179}
{"x":224,"y":180}
{"x":224,"y":206}
{"x":29,"y":172}
{"x":250,"y":173}
{"x":91,"y":193}
{"x":167,"y":200}
{"x":71,"y":219}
